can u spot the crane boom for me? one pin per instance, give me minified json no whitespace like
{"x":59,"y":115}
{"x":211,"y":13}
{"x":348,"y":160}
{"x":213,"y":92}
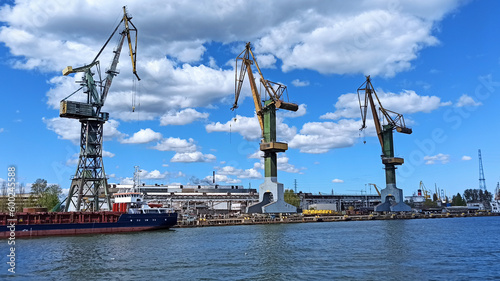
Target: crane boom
{"x":396,"y":122}
{"x":96,"y":100}
{"x":376,"y":188}
{"x":274,"y":90}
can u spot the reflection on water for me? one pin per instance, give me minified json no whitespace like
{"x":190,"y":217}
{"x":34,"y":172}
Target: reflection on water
{"x":448,"y":249}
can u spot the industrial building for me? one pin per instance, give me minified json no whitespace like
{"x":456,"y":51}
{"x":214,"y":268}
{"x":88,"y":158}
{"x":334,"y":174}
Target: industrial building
{"x":338,"y":203}
{"x":197,"y":199}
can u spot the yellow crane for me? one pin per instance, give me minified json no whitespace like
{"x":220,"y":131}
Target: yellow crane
{"x":391,"y":196}
{"x":270,"y":191}
{"x":424,"y":190}
{"x":376,"y":188}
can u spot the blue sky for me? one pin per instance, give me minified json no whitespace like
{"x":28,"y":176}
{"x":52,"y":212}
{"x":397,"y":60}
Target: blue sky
{"x":436,"y":63}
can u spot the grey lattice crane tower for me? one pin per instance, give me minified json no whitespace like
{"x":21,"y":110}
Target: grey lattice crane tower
{"x":482,"y":181}
{"x":90,"y":177}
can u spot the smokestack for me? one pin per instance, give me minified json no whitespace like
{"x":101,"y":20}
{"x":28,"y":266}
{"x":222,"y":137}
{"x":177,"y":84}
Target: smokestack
{"x":213,"y":177}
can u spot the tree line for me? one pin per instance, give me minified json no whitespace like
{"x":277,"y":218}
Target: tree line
{"x":41,"y":195}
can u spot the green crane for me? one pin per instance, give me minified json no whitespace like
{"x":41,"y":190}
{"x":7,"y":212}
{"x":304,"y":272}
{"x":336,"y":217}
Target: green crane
{"x":90,"y":177}
{"x":271,"y":193}
{"x":392,"y":197}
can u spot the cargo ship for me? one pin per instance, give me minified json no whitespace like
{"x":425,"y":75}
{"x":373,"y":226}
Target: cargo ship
{"x":130,"y":214}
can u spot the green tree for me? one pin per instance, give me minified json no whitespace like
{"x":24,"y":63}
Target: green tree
{"x":3,"y":202}
{"x":434,"y":197}
{"x":457,"y":200}
{"x":46,"y":196}
{"x":292,"y":198}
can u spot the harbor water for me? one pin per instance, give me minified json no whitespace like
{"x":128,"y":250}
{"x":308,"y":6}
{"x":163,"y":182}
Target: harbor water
{"x":420,"y":249}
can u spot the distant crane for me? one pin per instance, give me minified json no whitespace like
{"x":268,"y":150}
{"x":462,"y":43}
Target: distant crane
{"x":271,"y":195}
{"x":384,"y":134}
{"x":424,"y":190}
{"x":376,"y":188}
{"x":90,"y":176}
{"x":482,"y":181}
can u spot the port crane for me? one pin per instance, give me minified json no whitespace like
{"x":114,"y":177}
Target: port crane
{"x":271,"y":195}
{"x":376,"y":188}
{"x":90,"y":177}
{"x":391,"y":196}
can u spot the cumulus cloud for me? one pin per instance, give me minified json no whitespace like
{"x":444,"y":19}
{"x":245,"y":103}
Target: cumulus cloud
{"x":299,"y":83}
{"x":466,"y":100}
{"x":186,"y":151}
{"x":282,"y":165}
{"x":443,"y":158}
{"x":337,"y":181}
{"x":249,"y":128}
{"x":107,"y":154}
{"x":221,"y":178}
{"x":153,"y":175}
{"x":406,"y":102}
{"x":320,"y":137}
{"x":466,"y":158}
{"x":70,"y":129}
{"x":143,"y":136}
{"x":251,"y":173}
{"x":183,"y":117}
{"x":176,"y":144}
{"x":326,"y":36}
{"x":189,"y":157}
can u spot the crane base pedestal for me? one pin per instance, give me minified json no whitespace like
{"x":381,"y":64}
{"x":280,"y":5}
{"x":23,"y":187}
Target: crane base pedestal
{"x":271,"y":199}
{"x":392,"y":200}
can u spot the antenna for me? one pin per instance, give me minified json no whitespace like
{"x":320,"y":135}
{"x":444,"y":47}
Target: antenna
{"x":482,"y":181}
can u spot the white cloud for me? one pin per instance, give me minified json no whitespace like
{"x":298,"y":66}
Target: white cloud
{"x":443,"y":158}
{"x":176,"y":144}
{"x":406,"y":102}
{"x":327,"y":36}
{"x":320,"y":137}
{"x":257,"y":154}
{"x":107,"y":154}
{"x":153,"y":175}
{"x":299,"y":83}
{"x":251,"y":173}
{"x":1,"y":130}
{"x":282,"y":165}
{"x":190,"y":157}
{"x":127,"y":181}
{"x":182,"y":117}
{"x":221,"y":178}
{"x":69,"y":129}
{"x":143,"y":136}
{"x":466,"y":100}
{"x":466,"y":158}
{"x":249,"y":128}
{"x":337,"y":181}
{"x":266,"y":61}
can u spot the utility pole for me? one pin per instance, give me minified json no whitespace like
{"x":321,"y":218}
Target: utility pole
{"x":295,"y":185}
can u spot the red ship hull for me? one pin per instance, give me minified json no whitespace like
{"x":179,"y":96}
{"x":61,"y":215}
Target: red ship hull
{"x":76,"y":223}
